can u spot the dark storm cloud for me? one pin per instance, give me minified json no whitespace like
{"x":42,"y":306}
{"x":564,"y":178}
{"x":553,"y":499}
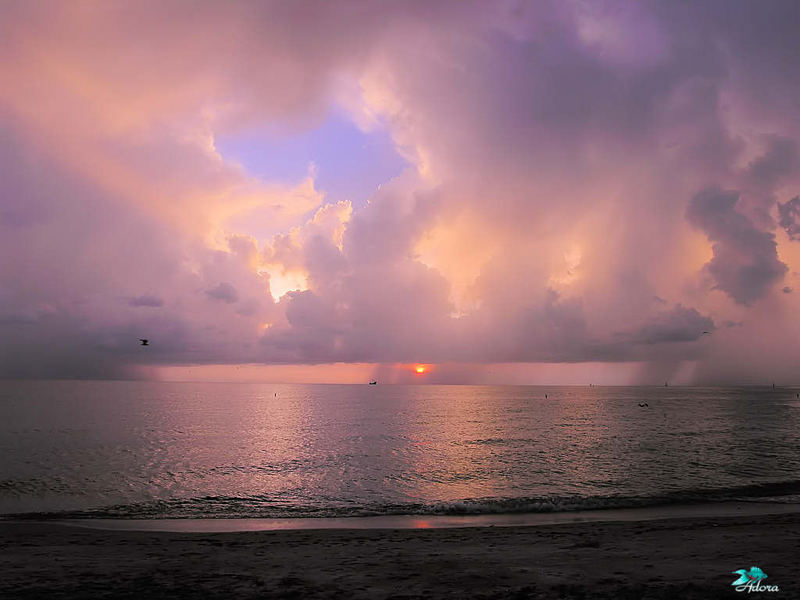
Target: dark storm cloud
{"x":745,"y":263}
{"x":779,"y":160}
{"x":224,"y":292}
{"x":150,"y":301}
{"x":789,"y":215}
{"x":681,"y":324}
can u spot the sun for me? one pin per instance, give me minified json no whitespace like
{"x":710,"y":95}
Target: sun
{"x":420,"y":370}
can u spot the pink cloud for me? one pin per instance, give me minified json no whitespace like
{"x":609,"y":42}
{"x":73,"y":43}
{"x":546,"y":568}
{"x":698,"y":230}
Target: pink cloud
{"x":559,"y":156}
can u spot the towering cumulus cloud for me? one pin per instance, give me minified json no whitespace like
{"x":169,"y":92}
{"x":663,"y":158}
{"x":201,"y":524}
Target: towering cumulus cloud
{"x":460,"y":184}
{"x":745,"y":263}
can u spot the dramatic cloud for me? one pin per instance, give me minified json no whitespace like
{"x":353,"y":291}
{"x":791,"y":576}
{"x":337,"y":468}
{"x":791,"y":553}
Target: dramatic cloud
{"x":780,"y":160}
{"x":678,"y":325}
{"x":556,"y":190}
{"x":789,"y":213}
{"x":745,"y":263}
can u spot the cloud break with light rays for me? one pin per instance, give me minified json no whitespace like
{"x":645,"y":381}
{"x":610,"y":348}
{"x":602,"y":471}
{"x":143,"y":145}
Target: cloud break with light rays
{"x":508,"y":191}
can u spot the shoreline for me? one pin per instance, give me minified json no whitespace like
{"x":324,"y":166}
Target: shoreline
{"x":681,"y":557}
{"x":232,"y":525}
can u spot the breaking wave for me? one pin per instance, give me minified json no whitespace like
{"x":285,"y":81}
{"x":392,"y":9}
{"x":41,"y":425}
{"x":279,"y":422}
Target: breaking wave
{"x":210,"y":507}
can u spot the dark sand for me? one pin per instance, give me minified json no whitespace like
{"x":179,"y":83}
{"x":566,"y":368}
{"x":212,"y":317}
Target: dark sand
{"x":675,"y":558}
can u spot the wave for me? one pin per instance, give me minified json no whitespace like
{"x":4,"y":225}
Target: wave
{"x":229,"y":507}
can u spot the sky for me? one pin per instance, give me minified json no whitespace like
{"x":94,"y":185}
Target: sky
{"x":498,"y":192}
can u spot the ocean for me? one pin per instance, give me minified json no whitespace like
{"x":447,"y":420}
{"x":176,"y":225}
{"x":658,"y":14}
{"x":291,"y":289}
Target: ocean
{"x":124,"y":449}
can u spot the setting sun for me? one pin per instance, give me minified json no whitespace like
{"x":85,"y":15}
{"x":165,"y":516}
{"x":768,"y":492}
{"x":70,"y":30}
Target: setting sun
{"x":420,"y":370}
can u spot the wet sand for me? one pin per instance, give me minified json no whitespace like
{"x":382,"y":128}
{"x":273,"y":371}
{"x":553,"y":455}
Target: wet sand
{"x":673,"y":558}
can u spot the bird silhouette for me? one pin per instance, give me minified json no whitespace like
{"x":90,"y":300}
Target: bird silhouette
{"x":144,"y":342}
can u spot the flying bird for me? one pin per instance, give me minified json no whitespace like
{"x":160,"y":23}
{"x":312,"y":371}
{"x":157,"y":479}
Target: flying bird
{"x":144,"y":342}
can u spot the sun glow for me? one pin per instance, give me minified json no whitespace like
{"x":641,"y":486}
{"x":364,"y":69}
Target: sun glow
{"x":282,"y":282}
{"x":420,"y":370}
{"x":571,"y":268}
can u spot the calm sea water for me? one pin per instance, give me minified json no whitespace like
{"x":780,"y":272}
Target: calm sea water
{"x":142,"y":449}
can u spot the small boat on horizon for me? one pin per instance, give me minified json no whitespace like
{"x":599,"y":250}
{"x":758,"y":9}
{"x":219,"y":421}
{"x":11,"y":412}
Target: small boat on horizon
{"x":373,"y":383}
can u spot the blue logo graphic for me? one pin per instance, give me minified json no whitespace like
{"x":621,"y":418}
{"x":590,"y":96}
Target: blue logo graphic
{"x":750,"y":581}
{"x":754,"y":574}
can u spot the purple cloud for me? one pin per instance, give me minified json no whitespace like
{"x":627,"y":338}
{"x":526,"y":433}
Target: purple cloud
{"x":745,"y":263}
{"x":149,"y":301}
{"x":789,"y":213}
{"x":224,"y":292}
{"x":548,"y":210}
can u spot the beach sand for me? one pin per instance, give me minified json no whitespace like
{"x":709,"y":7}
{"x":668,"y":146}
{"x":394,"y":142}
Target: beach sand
{"x":686,"y":558}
